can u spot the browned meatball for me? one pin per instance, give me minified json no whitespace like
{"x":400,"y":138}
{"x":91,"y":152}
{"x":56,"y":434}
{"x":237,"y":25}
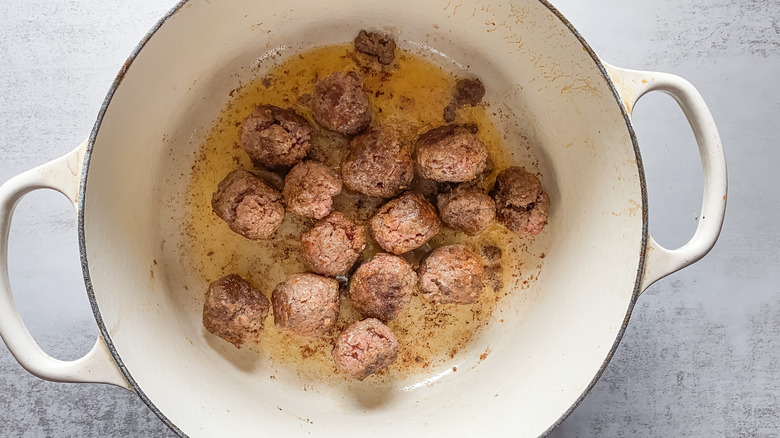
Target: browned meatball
{"x":333,"y":245}
{"x":306,"y":304}
{"x":521,"y":204}
{"x":249,"y":206}
{"x":405,"y":223}
{"x":466,"y":208}
{"x":378,"y":45}
{"x":378,"y":164}
{"x":234,"y":310}
{"x":452,"y":274}
{"x":382,"y":287}
{"x":450,"y":153}
{"x":274,"y":137}
{"x":309,"y":189}
{"x":364,"y":348}
{"x":340,"y":104}
{"x":469,"y":91}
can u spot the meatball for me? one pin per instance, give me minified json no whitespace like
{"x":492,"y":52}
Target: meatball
{"x":364,"y":348}
{"x":468,"y":92}
{"x":452,"y":274}
{"x":309,"y":188}
{"x":377,"y":45}
{"x":274,"y":137}
{"x":378,"y":164}
{"x":450,"y":153}
{"x":333,"y":245}
{"x":306,"y":304}
{"x":466,"y":208}
{"x":405,"y":223}
{"x":521,"y":204}
{"x":234,"y":310}
{"x":382,"y":287}
{"x":249,"y":206}
{"x":340,"y":104}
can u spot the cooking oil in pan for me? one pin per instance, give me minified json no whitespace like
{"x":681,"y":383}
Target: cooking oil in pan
{"x":408,"y":96}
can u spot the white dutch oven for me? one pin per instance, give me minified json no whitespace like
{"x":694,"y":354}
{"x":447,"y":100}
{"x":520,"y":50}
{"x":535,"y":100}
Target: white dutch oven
{"x":576,"y":109}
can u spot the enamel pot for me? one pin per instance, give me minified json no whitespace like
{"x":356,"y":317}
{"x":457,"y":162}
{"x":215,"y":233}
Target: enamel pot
{"x":545,"y":356}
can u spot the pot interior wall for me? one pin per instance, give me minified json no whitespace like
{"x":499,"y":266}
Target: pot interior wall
{"x":555,"y":334}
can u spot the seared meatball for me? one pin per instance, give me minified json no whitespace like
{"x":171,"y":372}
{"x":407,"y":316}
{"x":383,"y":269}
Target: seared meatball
{"x":274,"y":137}
{"x":309,"y":188}
{"x":340,"y":104}
{"x":364,"y":348}
{"x":405,"y":223}
{"x":452,"y":274}
{"x":467,"y":208}
{"x":521,"y":204}
{"x":249,"y":206}
{"x":468,"y":92}
{"x":378,"y":45}
{"x":382,"y":287}
{"x":306,"y":304}
{"x":450,"y":153}
{"x":378,"y":164}
{"x":234,"y":310}
{"x":333,"y":245}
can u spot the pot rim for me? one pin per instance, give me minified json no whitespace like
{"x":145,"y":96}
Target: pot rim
{"x":82,"y":237}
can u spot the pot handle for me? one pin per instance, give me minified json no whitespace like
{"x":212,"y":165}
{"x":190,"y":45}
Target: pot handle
{"x":660,"y":261}
{"x":97,"y":366}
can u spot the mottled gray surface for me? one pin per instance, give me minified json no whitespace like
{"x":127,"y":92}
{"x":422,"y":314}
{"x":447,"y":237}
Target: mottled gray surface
{"x":701,"y":356}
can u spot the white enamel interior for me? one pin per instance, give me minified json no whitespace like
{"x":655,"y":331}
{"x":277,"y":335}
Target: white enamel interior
{"x":541,"y":360}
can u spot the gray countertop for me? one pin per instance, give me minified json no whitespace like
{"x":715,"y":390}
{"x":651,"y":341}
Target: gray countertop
{"x":701,"y":355}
